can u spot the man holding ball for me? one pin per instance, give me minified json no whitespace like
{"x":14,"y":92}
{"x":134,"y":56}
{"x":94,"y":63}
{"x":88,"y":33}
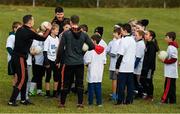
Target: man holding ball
{"x":23,"y":40}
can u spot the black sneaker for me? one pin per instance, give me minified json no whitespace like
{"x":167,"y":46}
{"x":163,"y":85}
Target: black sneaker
{"x":12,"y":103}
{"x":26,"y":102}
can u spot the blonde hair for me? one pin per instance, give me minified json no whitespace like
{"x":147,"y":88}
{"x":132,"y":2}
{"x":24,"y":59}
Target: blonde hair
{"x":55,"y":26}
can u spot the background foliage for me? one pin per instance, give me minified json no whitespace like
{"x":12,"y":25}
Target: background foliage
{"x":92,"y":3}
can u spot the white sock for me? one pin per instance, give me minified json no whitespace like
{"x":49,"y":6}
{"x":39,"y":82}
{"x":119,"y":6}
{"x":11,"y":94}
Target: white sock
{"x":39,"y":91}
{"x":32,"y":87}
{"x":19,"y":97}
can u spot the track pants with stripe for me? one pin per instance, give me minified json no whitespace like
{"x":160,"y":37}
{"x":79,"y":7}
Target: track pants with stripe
{"x":67,"y":75}
{"x":169,"y":95}
{"x":20,"y":68}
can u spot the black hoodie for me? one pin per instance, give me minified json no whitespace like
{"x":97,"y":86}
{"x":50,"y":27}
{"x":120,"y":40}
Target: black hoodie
{"x":150,"y":57}
{"x":70,"y":48}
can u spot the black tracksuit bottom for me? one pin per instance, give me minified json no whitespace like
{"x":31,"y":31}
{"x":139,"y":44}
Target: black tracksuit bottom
{"x":67,"y":75}
{"x":20,"y":68}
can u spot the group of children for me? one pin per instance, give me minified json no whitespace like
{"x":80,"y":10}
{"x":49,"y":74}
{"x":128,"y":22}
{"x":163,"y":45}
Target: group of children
{"x":132,"y":53}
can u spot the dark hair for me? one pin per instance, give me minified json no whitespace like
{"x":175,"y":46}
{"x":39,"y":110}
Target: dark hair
{"x":27,"y":18}
{"x":143,"y":22}
{"x":66,"y":21}
{"x":59,"y":10}
{"x":84,"y":27}
{"x":153,"y":34}
{"x":117,"y":30}
{"x":99,"y":30}
{"x":74,"y":19}
{"x":171,"y":35}
{"x":15,"y":25}
{"x":127,"y":27}
{"x":96,"y":38}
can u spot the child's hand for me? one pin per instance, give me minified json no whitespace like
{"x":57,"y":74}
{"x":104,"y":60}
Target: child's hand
{"x":161,"y":60}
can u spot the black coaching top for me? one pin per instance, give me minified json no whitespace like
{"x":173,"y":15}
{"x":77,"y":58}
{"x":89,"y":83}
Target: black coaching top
{"x":24,"y":38}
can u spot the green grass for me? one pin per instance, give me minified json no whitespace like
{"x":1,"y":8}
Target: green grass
{"x":161,"y":21}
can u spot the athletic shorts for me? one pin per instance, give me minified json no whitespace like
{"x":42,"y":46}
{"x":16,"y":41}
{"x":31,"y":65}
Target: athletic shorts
{"x":112,"y":75}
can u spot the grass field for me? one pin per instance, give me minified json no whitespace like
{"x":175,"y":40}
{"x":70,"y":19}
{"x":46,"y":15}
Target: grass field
{"x":161,"y":21}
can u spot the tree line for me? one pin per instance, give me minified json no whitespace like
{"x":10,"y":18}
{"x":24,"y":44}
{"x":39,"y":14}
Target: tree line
{"x":93,"y":3}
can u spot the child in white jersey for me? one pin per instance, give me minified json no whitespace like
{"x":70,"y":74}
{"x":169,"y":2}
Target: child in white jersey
{"x":111,"y":50}
{"x":125,"y":66}
{"x":140,"y":50}
{"x":95,"y":60}
{"x":50,"y":50}
{"x":10,"y":46}
{"x":170,"y":69}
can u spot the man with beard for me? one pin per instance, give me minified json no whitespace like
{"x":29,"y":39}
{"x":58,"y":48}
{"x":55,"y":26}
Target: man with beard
{"x":59,"y":18}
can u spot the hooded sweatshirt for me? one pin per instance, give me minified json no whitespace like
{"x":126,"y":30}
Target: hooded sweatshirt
{"x":70,"y":48}
{"x":95,"y":59}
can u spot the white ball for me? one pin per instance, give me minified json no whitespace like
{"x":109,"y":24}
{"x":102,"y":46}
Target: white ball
{"x":163,"y":55}
{"x":85,"y":47}
{"x":44,"y":25}
{"x":38,"y":49}
{"x":35,"y":50}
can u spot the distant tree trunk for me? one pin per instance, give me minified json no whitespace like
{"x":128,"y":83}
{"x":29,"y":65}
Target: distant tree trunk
{"x":97,"y":4}
{"x":34,"y":3}
{"x":164,"y":3}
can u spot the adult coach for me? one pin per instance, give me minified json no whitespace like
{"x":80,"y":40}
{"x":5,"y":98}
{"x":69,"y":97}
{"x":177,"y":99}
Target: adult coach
{"x":59,"y":18}
{"x":71,"y":53}
{"x":23,"y":40}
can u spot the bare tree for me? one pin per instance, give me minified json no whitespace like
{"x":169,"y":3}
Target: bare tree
{"x":97,"y":4}
{"x":164,"y":3}
{"x":34,"y":3}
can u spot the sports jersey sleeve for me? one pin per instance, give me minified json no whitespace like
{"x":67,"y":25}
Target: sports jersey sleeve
{"x":46,"y":44}
{"x":172,"y":51}
{"x":10,"y":41}
{"x":114,"y":47}
{"x":108,"y":49}
{"x":87,"y":57}
{"x":122,"y":47}
{"x":104,"y":58}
